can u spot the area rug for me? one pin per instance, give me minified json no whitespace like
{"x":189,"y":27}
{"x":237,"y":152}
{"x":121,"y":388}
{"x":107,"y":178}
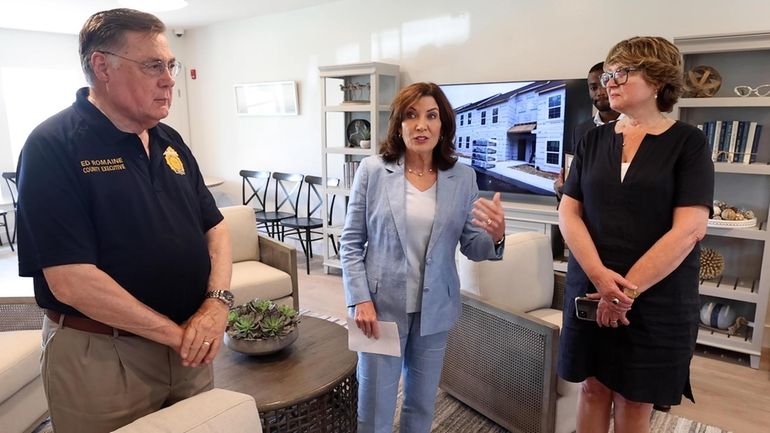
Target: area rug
{"x":332,"y":319}
{"x":453,"y":416}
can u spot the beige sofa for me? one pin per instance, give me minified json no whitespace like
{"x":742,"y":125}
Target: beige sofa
{"x":501,"y":356}
{"x":215,"y":411}
{"x":262,"y":267}
{"x":22,"y":399}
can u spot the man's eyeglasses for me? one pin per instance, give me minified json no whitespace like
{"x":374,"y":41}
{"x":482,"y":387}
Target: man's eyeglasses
{"x":763,"y":90}
{"x":620,"y":76}
{"x":154,"y":68}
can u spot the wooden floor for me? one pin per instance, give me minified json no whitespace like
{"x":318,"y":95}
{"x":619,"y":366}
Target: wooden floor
{"x":729,"y":393}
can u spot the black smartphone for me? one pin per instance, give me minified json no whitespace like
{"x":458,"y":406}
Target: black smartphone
{"x":585,"y":308}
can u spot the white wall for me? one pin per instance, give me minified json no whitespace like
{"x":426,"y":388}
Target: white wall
{"x":59,"y":53}
{"x":22,"y":49}
{"x":178,"y":116}
{"x":443,"y":41}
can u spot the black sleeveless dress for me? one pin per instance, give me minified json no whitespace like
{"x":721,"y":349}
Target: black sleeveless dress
{"x":648,"y":361}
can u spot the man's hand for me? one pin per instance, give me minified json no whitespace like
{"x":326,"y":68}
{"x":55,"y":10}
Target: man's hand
{"x":203,"y":333}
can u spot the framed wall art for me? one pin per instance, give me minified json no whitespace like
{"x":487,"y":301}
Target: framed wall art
{"x":277,"y":98}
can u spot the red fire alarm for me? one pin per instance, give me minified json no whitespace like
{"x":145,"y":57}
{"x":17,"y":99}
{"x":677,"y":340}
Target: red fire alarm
{"x":193,"y":74}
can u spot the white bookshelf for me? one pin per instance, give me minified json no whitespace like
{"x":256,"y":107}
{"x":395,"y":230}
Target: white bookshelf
{"x":741,"y":59}
{"x":338,"y":109}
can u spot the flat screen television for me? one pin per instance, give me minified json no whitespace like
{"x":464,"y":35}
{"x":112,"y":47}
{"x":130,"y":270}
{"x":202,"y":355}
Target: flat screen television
{"x":515,"y":134}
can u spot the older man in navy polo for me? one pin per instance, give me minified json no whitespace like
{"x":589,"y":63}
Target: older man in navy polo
{"x":128,"y":252}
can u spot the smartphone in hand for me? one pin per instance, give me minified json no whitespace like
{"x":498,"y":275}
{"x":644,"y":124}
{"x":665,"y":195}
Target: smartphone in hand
{"x":585,"y":308}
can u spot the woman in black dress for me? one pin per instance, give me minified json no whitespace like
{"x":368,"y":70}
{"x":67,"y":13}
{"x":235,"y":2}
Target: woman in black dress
{"x":635,"y":206}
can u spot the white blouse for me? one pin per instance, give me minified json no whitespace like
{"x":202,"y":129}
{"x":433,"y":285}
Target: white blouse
{"x":420,"y":212}
{"x":623,"y":170}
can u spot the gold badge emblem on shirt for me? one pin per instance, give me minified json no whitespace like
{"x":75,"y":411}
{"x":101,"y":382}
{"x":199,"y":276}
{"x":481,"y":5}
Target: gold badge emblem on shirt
{"x":173,"y":161}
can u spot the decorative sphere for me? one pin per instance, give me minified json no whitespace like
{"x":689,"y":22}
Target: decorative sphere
{"x":701,"y":82}
{"x":717,"y":315}
{"x":712,"y":264}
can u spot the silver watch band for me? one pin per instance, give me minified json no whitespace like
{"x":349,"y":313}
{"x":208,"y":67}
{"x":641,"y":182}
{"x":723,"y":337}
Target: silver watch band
{"x":225,"y":296}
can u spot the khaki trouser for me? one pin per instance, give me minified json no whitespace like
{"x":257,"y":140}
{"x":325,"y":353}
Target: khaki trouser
{"x":96,"y":383}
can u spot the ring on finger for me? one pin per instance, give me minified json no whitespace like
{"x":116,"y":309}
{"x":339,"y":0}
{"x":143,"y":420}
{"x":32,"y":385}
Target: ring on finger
{"x":489,"y":221}
{"x":615,"y":301}
{"x":207,"y":343}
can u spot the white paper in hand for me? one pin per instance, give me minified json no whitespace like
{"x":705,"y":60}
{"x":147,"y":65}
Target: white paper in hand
{"x":387,"y":344}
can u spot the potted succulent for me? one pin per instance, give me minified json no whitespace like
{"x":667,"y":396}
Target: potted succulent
{"x":366,"y":137}
{"x":260,"y":327}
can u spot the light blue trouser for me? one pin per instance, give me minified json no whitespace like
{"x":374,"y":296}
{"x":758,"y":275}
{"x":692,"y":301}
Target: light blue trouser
{"x":378,"y":377}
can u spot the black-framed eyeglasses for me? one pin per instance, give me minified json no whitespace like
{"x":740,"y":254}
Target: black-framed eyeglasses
{"x":154,"y":68}
{"x":620,"y":76}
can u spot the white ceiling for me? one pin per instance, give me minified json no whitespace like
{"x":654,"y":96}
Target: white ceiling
{"x":68,"y":16}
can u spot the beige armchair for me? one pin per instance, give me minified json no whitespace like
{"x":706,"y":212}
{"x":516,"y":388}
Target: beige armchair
{"x":262,"y":267}
{"x":501,"y":356}
{"x":214,"y":411}
{"x":22,"y":399}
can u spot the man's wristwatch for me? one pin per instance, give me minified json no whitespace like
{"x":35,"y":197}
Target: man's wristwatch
{"x":225,"y":296}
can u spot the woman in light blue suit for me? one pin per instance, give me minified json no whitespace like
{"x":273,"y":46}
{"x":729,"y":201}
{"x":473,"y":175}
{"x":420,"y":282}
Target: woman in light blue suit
{"x":409,"y":208}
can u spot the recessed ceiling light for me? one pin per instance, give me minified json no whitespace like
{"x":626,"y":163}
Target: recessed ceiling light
{"x":154,"y":5}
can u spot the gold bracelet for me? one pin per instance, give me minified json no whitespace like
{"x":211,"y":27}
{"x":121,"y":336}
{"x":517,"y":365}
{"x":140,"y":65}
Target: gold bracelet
{"x":631,"y":293}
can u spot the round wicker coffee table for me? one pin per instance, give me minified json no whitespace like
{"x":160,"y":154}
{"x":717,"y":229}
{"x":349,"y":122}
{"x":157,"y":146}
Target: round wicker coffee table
{"x":308,"y":387}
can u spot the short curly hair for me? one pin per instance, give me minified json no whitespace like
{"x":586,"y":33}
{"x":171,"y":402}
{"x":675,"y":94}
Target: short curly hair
{"x":660,"y":62}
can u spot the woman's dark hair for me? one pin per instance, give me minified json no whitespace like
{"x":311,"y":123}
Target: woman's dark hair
{"x":393,"y":148}
{"x":660,"y":62}
{"x":104,"y":31}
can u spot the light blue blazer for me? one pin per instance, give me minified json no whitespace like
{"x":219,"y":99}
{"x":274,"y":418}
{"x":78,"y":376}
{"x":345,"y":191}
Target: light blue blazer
{"x":373,"y":243}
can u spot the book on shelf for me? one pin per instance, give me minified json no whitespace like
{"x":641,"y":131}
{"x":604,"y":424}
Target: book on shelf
{"x":740,"y":142}
{"x":708,"y":130}
{"x":732,"y":140}
{"x":714,"y":143}
{"x":349,"y":171}
{"x":752,"y":139}
{"x":724,"y":141}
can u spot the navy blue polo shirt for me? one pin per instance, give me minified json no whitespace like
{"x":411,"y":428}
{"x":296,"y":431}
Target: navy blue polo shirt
{"x":88,"y":193}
